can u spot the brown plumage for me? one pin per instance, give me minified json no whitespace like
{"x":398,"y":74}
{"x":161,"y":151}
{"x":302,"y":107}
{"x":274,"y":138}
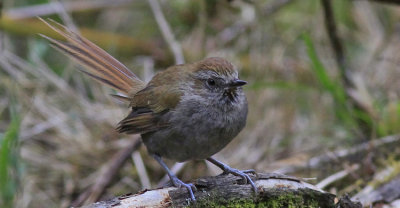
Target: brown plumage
{"x":148,"y":102}
{"x":186,"y":112}
{"x":99,"y":64}
{"x":219,"y":65}
{"x":107,"y":70}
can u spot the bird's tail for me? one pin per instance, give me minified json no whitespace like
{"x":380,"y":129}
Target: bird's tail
{"x":98,"y":64}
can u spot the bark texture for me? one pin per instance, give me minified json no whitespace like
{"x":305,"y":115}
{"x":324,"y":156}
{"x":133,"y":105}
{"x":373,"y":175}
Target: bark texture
{"x":275,"y":190}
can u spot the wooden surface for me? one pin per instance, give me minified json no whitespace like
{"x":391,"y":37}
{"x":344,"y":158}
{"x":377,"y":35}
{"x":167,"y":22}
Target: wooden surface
{"x":275,"y":190}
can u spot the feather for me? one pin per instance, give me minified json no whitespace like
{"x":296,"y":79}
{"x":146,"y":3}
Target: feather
{"x":102,"y":67}
{"x":141,"y":120}
{"x":99,"y":64}
{"x":121,"y":98}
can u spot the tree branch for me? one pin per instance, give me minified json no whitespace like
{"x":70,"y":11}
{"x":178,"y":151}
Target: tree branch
{"x":226,"y":190}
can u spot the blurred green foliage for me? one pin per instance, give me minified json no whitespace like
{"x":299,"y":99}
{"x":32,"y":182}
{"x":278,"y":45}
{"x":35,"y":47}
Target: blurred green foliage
{"x":332,"y":86}
{"x":10,"y":164}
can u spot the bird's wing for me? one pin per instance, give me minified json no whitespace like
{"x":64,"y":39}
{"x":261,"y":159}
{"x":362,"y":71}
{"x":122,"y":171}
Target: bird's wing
{"x":150,"y":104}
{"x":140,"y":121}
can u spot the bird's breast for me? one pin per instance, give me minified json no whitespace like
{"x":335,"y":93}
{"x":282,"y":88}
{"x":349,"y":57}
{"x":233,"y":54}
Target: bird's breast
{"x":197,"y":130}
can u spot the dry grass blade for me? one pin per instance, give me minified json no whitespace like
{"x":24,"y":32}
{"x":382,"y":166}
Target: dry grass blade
{"x":139,"y":165}
{"x":166,"y":32}
{"x":70,"y":6}
{"x":108,"y":173}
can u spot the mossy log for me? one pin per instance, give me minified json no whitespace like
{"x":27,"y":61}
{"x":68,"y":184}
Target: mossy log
{"x":274,"y":190}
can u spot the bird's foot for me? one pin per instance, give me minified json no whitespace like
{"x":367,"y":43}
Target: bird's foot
{"x":174,"y":180}
{"x":244,"y":174}
{"x":190,"y":187}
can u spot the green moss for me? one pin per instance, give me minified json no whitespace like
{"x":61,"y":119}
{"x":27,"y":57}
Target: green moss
{"x":277,"y":199}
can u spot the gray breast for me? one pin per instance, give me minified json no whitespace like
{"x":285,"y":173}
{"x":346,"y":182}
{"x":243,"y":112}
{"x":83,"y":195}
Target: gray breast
{"x":198,"y":128}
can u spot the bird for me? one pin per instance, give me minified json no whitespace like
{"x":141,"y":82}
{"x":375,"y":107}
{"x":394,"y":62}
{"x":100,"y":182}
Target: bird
{"x":185,"y":112}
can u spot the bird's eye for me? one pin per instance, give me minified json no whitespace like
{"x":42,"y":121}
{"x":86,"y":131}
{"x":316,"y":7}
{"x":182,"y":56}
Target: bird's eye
{"x":211,"y":82}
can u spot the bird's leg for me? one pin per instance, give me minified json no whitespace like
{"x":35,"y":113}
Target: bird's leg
{"x":242,"y":173}
{"x":174,"y":180}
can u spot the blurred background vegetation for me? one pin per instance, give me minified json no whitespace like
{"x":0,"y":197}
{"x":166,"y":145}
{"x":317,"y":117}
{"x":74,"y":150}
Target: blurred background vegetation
{"x":323,"y":77}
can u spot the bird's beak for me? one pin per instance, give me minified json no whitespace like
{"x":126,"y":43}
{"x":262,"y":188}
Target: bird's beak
{"x":237,"y":83}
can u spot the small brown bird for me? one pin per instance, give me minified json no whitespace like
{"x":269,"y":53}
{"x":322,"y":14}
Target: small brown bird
{"x":186,"y":112}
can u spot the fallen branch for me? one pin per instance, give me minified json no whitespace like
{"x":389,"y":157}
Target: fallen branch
{"x":387,"y":192}
{"x":350,"y":155}
{"x":337,"y":176}
{"x":225,"y":190}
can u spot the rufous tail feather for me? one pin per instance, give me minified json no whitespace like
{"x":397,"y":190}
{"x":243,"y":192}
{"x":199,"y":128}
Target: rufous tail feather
{"x":98,"y":64}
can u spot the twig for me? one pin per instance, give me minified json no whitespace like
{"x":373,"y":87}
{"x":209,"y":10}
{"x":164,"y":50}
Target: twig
{"x":166,"y":32}
{"x":397,"y":2}
{"x":2,"y":46}
{"x":1,"y":8}
{"x":240,"y":27}
{"x":40,"y":127}
{"x":365,"y":129}
{"x":122,"y":43}
{"x":337,"y":176}
{"x":275,"y":6}
{"x":335,"y":42}
{"x":6,"y":66}
{"x":110,"y":170}
{"x":143,"y":176}
{"x":61,"y":11}
{"x":45,"y":72}
{"x":318,"y":161}
{"x":383,"y":187}
{"x":70,"y":6}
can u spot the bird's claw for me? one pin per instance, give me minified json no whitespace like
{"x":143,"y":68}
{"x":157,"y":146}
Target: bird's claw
{"x":189,"y":186}
{"x":243,"y":174}
{"x":250,"y":171}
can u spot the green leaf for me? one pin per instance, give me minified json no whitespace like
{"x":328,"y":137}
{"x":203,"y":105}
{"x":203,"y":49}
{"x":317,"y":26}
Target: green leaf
{"x":333,"y":87}
{"x":9,"y":162}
